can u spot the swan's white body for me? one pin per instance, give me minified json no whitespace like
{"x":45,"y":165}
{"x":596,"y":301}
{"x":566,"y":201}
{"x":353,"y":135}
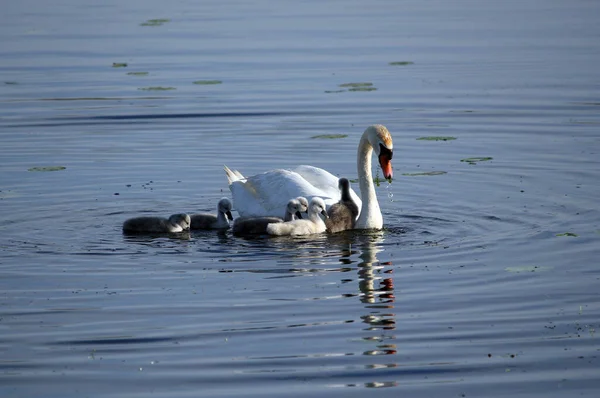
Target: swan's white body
{"x":266,"y":194}
{"x":314,"y":224}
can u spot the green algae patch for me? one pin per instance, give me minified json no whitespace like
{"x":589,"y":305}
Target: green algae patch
{"x":119,"y":65}
{"x":425,"y":173}
{"x":436,"y":138}
{"x":527,"y":268}
{"x":137,"y":73}
{"x":474,"y":160}
{"x":401,"y":63}
{"x":329,"y":136}
{"x":334,"y":91}
{"x":156,"y":88}
{"x":207,"y":82}
{"x":47,"y":168}
{"x":8,"y":194}
{"x":155,"y":22}
{"x":356,"y":85}
{"x":568,"y":234}
{"x":362,"y":89}
{"x":11,"y":83}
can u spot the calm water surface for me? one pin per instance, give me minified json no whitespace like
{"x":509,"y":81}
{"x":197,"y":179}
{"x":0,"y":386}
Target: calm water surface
{"x":484,"y":282}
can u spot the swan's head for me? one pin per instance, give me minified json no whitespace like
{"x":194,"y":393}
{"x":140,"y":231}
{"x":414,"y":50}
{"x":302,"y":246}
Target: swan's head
{"x":225,"y":208}
{"x":381,"y":141}
{"x":303,"y":208}
{"x":294,"y":207}
{"x":181,"y":219}
{"x":317,"y":206}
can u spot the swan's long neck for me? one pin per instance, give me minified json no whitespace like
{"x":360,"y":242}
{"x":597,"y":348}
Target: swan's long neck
{"x":370,"y":214}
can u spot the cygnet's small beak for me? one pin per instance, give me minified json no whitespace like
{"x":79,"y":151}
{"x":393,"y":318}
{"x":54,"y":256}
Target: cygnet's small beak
{"x":229,"y":216}
{"x":324,"y":213}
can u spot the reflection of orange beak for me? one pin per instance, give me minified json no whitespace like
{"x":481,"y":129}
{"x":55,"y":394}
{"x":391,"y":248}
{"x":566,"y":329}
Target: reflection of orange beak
{"x":386,"y":166}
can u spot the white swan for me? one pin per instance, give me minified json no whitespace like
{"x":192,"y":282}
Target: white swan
{"x":210,"y":221}
{"x":266,"y":194}
{"x":314,"y":224}
{"x":258,"y":225}
{"x":176,"y":223}
{"x":343,"y":214}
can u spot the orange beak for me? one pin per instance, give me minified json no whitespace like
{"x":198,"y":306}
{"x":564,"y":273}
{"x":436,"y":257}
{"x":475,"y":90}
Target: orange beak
{"x":385,"y":162}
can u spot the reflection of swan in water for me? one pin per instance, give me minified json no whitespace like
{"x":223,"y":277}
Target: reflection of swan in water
{"x":371,"y":271}
{"x":175,"y":223}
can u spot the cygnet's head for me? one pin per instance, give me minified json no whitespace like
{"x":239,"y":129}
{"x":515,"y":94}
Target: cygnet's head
{"x":293,"y":208}
{"x":225,"y":208}
{"x":303,"y":204}
{"x":344,"y":184}
{"x":317,"y":206}
{"x":181,"y":219}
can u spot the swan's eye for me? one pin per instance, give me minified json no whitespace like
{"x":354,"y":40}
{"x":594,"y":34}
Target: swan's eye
{"x":383,"y":151}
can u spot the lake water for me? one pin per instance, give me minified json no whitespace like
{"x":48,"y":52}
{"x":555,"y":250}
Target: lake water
{"x":484,"y":282}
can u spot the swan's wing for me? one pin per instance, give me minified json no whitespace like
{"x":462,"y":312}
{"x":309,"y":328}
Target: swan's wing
{"x":326,"y":182}
{"x":267,"y":194}
{"x":232,"y":175}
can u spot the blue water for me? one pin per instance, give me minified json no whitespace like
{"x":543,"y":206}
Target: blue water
{"x":472,"y":288}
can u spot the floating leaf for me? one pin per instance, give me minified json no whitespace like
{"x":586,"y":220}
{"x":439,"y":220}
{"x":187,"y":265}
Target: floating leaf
{"x":334,"y":91}
{"x":330,"y":136}
{"x":206,"y":82}
{"x":119,"y":65}
{"x":588,"y":122}
{"x":425,"y":173}
{"x":12,"y":83}
{"x":401,"y":63}
{"x":155,"y":22}
{"x":567,"y":234}
{"x":47,"y":168}
{"x":362,"y":89}
{"x":365,"y":84}
{"x":157,"y":88}
{"x":527,"y":268}
{"x":9,"y":194}
{"x":137,"y":73}
{"x":476,"y":159}
{"x":436,"y":138}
